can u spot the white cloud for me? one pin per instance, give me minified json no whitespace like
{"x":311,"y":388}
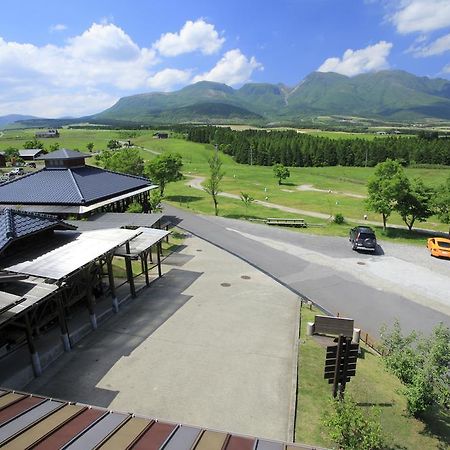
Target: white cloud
{"x":198,"y":35}
{"x":102,"y":59}
{"x":421,"y":16}
{"x":446,"y":69}
{"x":58,"y":27}
{"x":354,"y":62}
{"x":439,"y":46}
{"x":167,"y":79}
{"x":233,"y":68}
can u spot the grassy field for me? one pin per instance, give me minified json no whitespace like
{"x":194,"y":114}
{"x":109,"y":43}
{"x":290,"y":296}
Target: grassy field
{"x":340,"y":189}
{"x":372,"y":386}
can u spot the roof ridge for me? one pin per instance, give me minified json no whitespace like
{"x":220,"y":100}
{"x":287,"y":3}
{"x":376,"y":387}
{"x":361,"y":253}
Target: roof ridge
{"x":83,"y":200}
{"x":10,"y":228}
{"x":124,"y":174}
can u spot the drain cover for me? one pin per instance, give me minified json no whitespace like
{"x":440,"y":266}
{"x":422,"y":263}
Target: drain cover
{"x":361,"y":263}
{"x":245,"y":277}
{"x":199,"y":250}
{"x":225,"y":284}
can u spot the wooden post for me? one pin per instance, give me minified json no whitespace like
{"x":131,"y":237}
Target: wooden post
{"x":129,"y":268}
{"x":145,"y":268}
{"x":63,"y":325}
{"x":90,"y":299}
{"x":35,"y":361}
{"x":337,"y":365}
{"x":158,"y":255}
{"x":112,"y":286}
{"x":347,"y":341}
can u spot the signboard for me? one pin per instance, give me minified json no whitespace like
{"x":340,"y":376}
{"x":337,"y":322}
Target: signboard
{"x":333,"y":325}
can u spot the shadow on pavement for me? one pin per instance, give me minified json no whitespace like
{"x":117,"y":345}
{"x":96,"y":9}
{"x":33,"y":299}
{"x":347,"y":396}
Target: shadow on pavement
{"x":77,"y":374}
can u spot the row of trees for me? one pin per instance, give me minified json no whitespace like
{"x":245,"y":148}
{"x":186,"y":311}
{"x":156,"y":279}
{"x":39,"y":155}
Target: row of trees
{"x":389,"y":190}
{"x":303,"y":150}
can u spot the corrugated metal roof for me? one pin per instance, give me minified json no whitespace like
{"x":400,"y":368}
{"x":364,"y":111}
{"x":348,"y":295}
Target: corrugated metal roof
{"x":78,"y":250}
{"x":30,"y":151}
{"x":69,"y":186}
{"x":101,"y":221}
{"x":27,"y":421}
{"x":16,"y":225}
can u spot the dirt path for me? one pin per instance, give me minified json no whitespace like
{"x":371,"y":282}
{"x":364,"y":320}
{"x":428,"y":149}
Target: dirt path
{"x":309,"y":187}
{"x":155,"y":152}
{"x":196,"y":183}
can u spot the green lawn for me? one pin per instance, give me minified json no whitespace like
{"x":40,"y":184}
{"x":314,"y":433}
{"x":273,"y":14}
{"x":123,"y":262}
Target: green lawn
{"x":372,"y":385}
{"x":347,"y":184}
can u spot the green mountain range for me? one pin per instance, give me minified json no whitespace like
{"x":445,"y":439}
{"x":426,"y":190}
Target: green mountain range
{"x":388,"y":95}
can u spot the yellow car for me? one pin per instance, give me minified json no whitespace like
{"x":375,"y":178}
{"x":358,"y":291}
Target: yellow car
{"x":439,"y":246}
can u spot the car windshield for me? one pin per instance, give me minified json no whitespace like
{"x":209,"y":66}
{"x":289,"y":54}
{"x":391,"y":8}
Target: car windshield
{"x":443,"y":244}
{"x":366,"y":236}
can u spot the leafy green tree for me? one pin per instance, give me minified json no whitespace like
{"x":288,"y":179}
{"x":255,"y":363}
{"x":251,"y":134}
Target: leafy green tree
{"x":134,"y":207}
{"x":385,"y":187}
{"x":125,"y":161}
{"x":164,"y":169}
{"x":281,"y":172}
{"x":212,"y":185}
{"x":415,"y":204}
{"x":34,"y":143}
{"x":247,"y":200}
{"x":90,"y":146}
{"x":53,"y":147}
{"x":11,"y":154}
{"x":350,"y":428}
{"x":155,"y":200}
{"x":113,"y":144}
{"x":441,"y":202}
{"x":421,"y":364}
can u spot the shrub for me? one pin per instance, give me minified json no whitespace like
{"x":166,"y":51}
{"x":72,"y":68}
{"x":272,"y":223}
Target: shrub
{"x":339,"y":219}
{"x":134,"y":207}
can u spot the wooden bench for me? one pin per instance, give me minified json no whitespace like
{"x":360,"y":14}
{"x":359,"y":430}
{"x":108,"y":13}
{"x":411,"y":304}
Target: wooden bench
{"x":286,"y":222}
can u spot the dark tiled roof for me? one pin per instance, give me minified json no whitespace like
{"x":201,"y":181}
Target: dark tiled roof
{"x":64,"y":153}
{"x":15,"y":225}
{"x":35,"y":421}
{"x":76,"y":186}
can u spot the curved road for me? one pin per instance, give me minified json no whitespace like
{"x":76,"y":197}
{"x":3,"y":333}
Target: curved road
{"x":401,"y":282}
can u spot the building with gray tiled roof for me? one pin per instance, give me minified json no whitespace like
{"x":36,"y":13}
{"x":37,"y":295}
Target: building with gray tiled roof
{"x":67,"y":186}
{"x":16,"y":225}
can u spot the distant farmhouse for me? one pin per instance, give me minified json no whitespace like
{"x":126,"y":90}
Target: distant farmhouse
{"x":47,"y":134}
{"x":160,"y":135}
{"x":67,"y":186}
{"x":30,"y":154}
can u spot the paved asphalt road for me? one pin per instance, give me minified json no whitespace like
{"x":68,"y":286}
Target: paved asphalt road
{"x":372,"y":289}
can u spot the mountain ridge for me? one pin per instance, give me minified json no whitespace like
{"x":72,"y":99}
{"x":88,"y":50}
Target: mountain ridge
{"x":388,"y":94}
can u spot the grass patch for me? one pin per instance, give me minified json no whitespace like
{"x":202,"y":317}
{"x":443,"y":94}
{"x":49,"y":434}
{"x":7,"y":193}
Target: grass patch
{"x":347,"y":184}
{"x":372,"y":386}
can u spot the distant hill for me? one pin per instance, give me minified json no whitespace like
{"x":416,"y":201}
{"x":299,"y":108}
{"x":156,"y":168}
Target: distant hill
{"x":389,"y":95}
{"x":11,"y":118}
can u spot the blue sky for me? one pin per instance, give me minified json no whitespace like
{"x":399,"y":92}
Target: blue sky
{"x":78,"y":57}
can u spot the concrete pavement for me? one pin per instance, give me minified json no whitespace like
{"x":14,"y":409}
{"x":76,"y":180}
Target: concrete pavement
{"x":213,"y":343}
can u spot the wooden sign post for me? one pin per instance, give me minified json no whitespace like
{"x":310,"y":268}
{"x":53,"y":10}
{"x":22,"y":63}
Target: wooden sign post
{"x":340,"y":364}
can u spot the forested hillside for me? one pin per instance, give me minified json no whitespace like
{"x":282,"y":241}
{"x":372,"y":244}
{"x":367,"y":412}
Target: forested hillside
{"x":302,"y":150}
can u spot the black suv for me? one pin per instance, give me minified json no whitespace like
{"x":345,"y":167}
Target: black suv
{"x":363,"y":238}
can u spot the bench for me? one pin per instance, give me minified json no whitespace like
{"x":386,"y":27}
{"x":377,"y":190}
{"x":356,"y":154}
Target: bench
{"x":286,"y":222}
